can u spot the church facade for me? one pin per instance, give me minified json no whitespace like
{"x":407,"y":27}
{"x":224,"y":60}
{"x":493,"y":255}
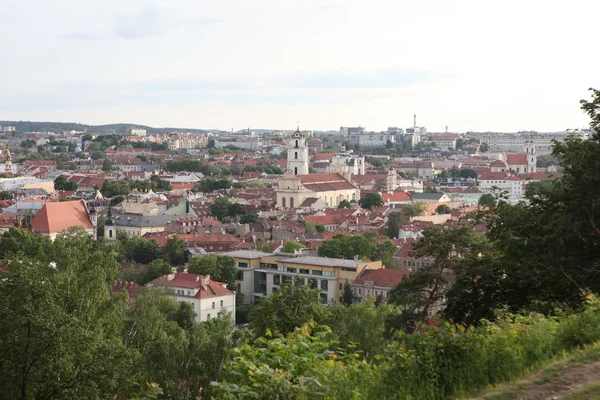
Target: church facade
{"x":297,"y":184}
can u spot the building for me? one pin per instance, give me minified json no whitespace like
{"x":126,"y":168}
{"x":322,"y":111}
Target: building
{"x":372,"y":139}
{"x":444,"y":142}
{"x":347,"y":130}
{"x":376,"y":283}
{"x":516,"y":142}
{"x":417,"y":169}
{"x":135,"y":225}
{"x":296,"y":185}
{"x":208,"y":298}
{"x":54,"y":218}
{"x":260,"y":274}
{"x":136,"y":132}
{"x":347,"y":164}
{"x":297,"y":160}
{"x":8,"y":129}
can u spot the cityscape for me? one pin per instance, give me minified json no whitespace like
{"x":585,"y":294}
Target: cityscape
{"x":329,"y":199}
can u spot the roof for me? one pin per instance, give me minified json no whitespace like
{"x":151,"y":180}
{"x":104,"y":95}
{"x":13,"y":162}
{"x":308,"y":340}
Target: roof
{"x":323,"y":156}
{"x":498,"y":163}
{"x":193,"y":281}
{"x":60,"y":216}
{"x":395,"y":196}
{"x":140,"y":221}
{"x":382,"y":277}
{"x":309,"y":201}
{"x":248,"y":254}
{"x":427,"y":196}
{"x":325,"y":182}
{"x":324,"y":261}
{"x":131,"y":288}
{"x":516,"y":159}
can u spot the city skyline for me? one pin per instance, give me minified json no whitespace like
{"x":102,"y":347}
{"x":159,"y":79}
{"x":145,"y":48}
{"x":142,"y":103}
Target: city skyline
{"x":472,"y":67}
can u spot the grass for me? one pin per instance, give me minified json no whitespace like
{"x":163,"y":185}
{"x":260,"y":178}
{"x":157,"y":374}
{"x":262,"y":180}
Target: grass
{"x":547,"y":373}
{"x":588,"y":392}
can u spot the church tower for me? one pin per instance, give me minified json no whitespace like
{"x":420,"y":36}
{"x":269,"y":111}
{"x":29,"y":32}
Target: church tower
{"x":530,"y":152}
{"x":8,"y":167}
{"x":392,"y":180}
{"x":297,"y":160}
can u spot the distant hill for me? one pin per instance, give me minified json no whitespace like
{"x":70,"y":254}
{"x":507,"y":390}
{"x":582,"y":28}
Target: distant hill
{"x":59,"y":127}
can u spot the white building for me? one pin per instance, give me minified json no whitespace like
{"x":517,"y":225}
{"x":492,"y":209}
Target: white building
{"x":136,"y":132}
{"x":347,"y":164}
{"x":207,"y":297}
{"x":8,"y":129}
{"x":348,"y":130}
{"x":372,"y":139}
{"x":297,"y":160}
{"x":515,"y":143}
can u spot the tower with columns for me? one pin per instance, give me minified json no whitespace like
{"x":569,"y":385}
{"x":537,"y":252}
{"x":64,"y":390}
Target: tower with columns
{"x":297,"y":160}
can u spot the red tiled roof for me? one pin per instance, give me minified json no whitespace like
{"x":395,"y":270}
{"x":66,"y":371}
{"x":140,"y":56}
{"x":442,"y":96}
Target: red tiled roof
{"x":381,"y":277}
{"x":193,"y":281}
{"x":325,"y":182}
{"x":323,"y":156}
{"x":516,"y":159}
{"x":57,"y":217}
{"x":131,"y":288}
{"x":492,"y":176}
{"x":498,"y":163}
{"x":395,"y":196}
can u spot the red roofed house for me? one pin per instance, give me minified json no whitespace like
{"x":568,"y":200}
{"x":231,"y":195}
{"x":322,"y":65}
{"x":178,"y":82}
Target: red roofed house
{"x":207,"y":297}
{"x":376,"y":282}
{"x":332,"y":188}
{"x":54,"y":218}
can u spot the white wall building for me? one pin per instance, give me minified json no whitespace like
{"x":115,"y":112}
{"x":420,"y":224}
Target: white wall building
{"x":207,"y":297}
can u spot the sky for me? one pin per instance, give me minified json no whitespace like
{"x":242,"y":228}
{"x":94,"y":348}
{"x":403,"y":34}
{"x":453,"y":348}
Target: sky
{"x":267,"y":64}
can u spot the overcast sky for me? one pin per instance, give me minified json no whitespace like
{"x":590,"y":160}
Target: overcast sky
{"x":472,"y":65}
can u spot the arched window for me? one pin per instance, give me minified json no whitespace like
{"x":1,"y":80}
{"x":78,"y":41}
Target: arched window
{"x":296,"y":143}
{"x":295,"y":170}
{"x":283,"y":202}
{"x":291,"y":202}
{"x":296,"y":155}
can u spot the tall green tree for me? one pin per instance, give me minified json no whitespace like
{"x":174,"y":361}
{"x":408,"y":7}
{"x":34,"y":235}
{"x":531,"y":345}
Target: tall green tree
{"x":371,"y":200}
{"x":291,"y":246}
{"x":220,"y":268}
{"x":220,"y":208}
{"x":175,"y":251}
{"x":288,"y":308}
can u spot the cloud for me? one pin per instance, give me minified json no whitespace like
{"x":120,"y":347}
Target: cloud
{"x":378,"y":79}
{"x":141,"y":23}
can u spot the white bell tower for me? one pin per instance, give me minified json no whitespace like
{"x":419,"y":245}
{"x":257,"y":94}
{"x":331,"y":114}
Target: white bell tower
{"x":297,"y":160}
{"x":530,"y":150}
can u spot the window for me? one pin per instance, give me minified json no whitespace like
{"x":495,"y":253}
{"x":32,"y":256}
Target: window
{"x":312,"y":282}
{"x":213,"y":304}
{"x":296,"y":155}
{"x":341,"y":287}
{"x":296,"y":143}
{"x":243,"y":265}
{"x":327,"y":273}
{"x":207,"y":316}
{"x":324,"y":284}
{"x":240,"y":275}
{"x":323,"y":297}
{"x":276,"y":279}
{"x":359,"y":291}
{"x":110,"y":233}
{"x":305,"y":271}
{"x":221,"y":303}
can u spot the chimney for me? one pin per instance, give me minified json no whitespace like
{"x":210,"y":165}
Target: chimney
{"x":205,"y":281}
{"x":170,"y":277}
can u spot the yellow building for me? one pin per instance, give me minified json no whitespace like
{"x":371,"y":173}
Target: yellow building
{"x":260,"y":274}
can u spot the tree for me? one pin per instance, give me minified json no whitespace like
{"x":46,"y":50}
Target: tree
{"x":107,"y":165}
{"x":4,"y":195}
{"x":220,"y":268}
{"x":249,"y":218}
{"x":344,"y":204}
{"x":426,"y":287}
{"x":156,"y":269}
{"x":468,"y":173}
{"x":459,"y":143}
{"x":220,"y":208}
{"x":115,"y":188}
{"x":60,"y":183}
{"x":347,"y":296}
{"x":348,"y":247}
{"x":175,"y":251}
{"x":139,"y":250}
{"x":443,"y":209}
{"x":28,"y":143}
{"x":320,"y":228}
{"x":487,"y":200}
{"x":395,"y":221}
{"x":484,"y":148}
{"x":234,"y":210}
{"x":100,"y":227}
{"x":291,"y":246}
{"x":371,"y":200}
{"x":380,"y":184}
{"x":430,"y":189}
{"x":288,"y":308}
{"x":309,"y":228}
{"x":61,"y":328}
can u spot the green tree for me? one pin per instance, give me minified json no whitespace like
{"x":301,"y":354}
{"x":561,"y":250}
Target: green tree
{"x":4,"y":195}
{"x":100,"y":227}
{"x":107,"y":165}
{"x":60,"y":183}
{"x":320,"y":228}
{"x":347,"y":296}
{"x":348,"y":247}
{"x":288,"y":308}
{"x":291,"y":246}
{"x":427,"y":286}
{"x":139,"y":250}
{"x":234,"y":210}
{"x":344,"y":204}
{"x":220,"y":208}
{"x":61,"y":328}
{"x":115,"y":188}
{"x":220,"y":268}
{"x":248,"y":218}
{"x":175,"y":251}
{"x":443,"y":209}
{"x":487,"y":200}
{"x":484,"y":148}
{"x":156,"y":269}
{"x":371,"y":200}
{"x":467,"y":173}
